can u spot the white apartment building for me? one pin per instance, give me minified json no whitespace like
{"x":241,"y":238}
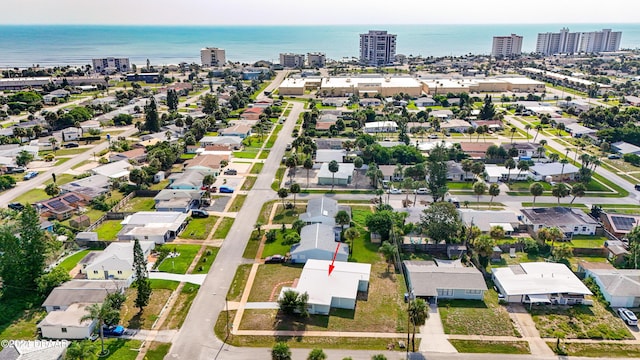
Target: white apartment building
{"x":291,"y":60}
{"x":110,"y":65}
{"x":212,"y":56}
{"x":507,"y":46}
{"x":566,"y":42}
{"x":316,"y":59}
{"x":377,"y":48}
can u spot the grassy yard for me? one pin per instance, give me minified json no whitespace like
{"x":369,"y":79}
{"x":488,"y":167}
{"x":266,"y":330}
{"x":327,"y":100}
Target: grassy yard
{"x":277,"y":247}
{"x":139,"y":204}
{"x":588,"y":241}
{"x":199,"y":229}
{"x":495,"y":347}
{"x":180,"y":264}
{"x":599,"y":350}
{"x":363,"y":250}
{"x":275,"y":185}
{"x":108,"y":230}
{"x":206,"y":260}
{"x":32,"y":196}
{"x":265,"y":212}
{"x":23,"y":325}
{"x":70,"y":262}
{"x":181,"y":307}
{"x":61,"y":179}
{"x":237,"y":203}
{"x":131,"y":318}
{"x":579,"y":322}
{"x":472,"y":317}
{"x":383,"y":310}
{"x":239,"y":282}
{"x":248,"y":183}
{"x":223,"y":228}
{"x":256,"y":168}
{"x":264,"y":154}
{"x":246,"y":154}
{"x":342,"y":342}
{"x":120,"y":349}
{"x":157,"y":351}
{"x":288,"y":216}
{"x":251,"y":251}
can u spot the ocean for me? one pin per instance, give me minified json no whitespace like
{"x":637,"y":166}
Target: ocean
{"x":51,"y":45}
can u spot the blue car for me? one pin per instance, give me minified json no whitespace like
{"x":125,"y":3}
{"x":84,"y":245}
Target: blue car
{"x":117,"y":330}
{"x":30,"y":175}
{"x":226,"y":189}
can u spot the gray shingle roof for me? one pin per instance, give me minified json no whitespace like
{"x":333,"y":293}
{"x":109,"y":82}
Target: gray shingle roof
{"x":427,"y":277}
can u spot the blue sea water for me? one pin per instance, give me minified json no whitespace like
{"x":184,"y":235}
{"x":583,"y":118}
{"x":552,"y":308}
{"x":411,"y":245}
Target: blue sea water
{"x":76,"y":45}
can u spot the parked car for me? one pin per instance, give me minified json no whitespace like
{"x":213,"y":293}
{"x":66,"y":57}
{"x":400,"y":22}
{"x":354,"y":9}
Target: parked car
{"x":16,"y":170}
{"x":226,"y":189}
{"x":613,"y":157}
{"x":16,"y":206}
{"x":288,"y":147}
{"x":71,"y":145}
{"x":197,"y":213}
{"x":231,"y":172}
{"x":433,"y":136}
{"x":394,"y":191}
{"x":421,"y":191}
{"x":637,"y":187}
{"x":274,"y":259}
{"x":30,"y":175}
{"x":116,"y":330}
{"x":628,"y":316}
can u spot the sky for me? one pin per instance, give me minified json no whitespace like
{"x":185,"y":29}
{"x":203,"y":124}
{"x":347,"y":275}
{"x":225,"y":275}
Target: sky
{"x":323,"y":12}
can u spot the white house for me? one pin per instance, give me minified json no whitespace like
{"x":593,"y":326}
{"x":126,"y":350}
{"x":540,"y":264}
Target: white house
{"x":116,"y":170}
{"x":624,"y":148}
{"x":231,"y":141}
{"x":81,"y":291}
{"x":158,"y":227}
{"x":328,"y":155}
{"x":381,"y":127}
{"x":71,"y":134}
{"x":554,"y":172}
{"x":116,"y":261}
{"x":444,"y":279}
{"x":67,"y":324}
{"x":336,"y":290}
{"x":486,"y":219}
{"x":571,"y":221}
{"x":343,"y":176}
{"x":540,"y":282}
{"x":620,"y":287}
{"x":318,"y":241}
{"x":495,"y":173}
{"x":322,"y":210}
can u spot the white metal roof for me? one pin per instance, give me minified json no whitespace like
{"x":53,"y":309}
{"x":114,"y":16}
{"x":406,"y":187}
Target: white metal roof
{"x":539,"y":278}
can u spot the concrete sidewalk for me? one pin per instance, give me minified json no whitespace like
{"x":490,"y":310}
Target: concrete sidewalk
{"x":433,"y":337}
{"x":527,"y":327}
{"x":197,"y":279}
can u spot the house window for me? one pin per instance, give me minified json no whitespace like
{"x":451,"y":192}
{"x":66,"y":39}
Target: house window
{"x":473,"y":292}
{"x":64,"y":330}
{"x":584,"y":228}
{"x":120,"y":272}
{"x":575,"y":228}
{"x":445,"y":292}
{"x":95,"y":271}
{"x":56,"y":308}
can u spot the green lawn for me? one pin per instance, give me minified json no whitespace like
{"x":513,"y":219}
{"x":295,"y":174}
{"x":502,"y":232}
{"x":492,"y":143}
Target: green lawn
{"x":120,"y":349}
{"x":65,"y":152}
{"x":161,"y":284}
{"x":487,"y":346}
{"x":273,"y":137}
{"x":287,"y":216}
{"x":61,"y":179}
{"x":248,"y":183}
{"x":237,"y":203}
{"x":363,"y":250}
{"x":264,"y":154}
{"x":139,"y":204}
{"x":19,"y":325}
{"x":460,"y":185}
{"x":157,"y":351}
{"x":180,"y":264}
{"x":199,"y":229}
{"x":278,"y":178}
{"x":251,"y":251}
{"x":580,"y":241}
{"x":70,"y":262}
{"x":473,"y":317}
{"x":32,"y":196}
{"x":223,"y":228}
{"x":181,"y":307}
{"x":256,"y":168}
{"x":206,"y":260}
{"x":277,"y":247}
{"x":108,"y":230}
{"x":239,"y":282}
{"x":599,"y":350}
{"x":245,"y":154}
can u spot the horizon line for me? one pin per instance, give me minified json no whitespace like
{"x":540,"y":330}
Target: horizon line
{"x":310,"y":25}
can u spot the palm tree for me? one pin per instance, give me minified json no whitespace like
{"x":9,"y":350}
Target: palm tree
{"x":527,"y":128}
{"x":418,"y":315}
{"x":538,"y":128}
{"x":308,"y":165}
{"x":350,"y":235}
{"x":578,"y":190}
{"x":479,"y":188}
{"x":280,"y":351}
{"x":554,"y":157}
{"x":523,"y":165}
{"x":53,"y":141}
{"x":81,"y":350}
{"x":563,"y":162}
{"x":258,"y":227}
{"x":466,"y":165}
{"x":99,"y":313}
{"x":357,"y":164}
{"x":389,"y":252}
{"x":333,"y":167}
{"x":294,"y":189}
{"x":510,"y":164}
{"x":342,"y":218}
{"x":560,"y":190}
{"x":536,"y":189}
{"x":513,"y":132}
{"x":317,"y":354}
{"x":494,"y":190}
{"x":282,"y":194}
{"x":291,"y":163}
{"x":52,"y":189}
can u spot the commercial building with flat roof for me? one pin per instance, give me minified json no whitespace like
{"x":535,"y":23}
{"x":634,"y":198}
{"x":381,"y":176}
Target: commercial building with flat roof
{"x":213,"y":56}
{"x":377,"y":48}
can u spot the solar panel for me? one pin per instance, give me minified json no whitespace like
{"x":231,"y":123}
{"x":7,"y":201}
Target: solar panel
{"x":623,"y":222}
{"x":56,"y":204}
{"x":71,"y":198}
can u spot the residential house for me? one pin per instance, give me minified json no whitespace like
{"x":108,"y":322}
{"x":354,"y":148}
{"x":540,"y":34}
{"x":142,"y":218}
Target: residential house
{"x":624,"y":148}
{"x":118,"y":170}
{"x":487,"y":219}
{"x":71,"y":134}
{"x":209,"y":163}
{"x":62,"y":207}
{"x":455,"y":172}
{"x":571,"y":221}
{"x":322,"y":210}
{"x":235,"y":142}
{"x":89,"y":187}
{"x":326,"y":144}
{"x":493,"y":125}
{"x":81,"y":291}
{"x":619,"y":224}
{"x":67,"y":324}
{"x":540,"y":282}
{"x":326,"y":156}
{"x":333,"y":101}
{"x":178,"y":200}
{"x":370,"y":102}
{"x":632,"y":100}
{"x":115,"y":262}
{"x":188,"y":180}
{"x":455,"y":125}
{"x":159,"y":227}
{"x":318,"y":241}
{"x":381,"y":127}
{"x":424,"y":102}
{"x":620,"y":287}
{"x":496,"y":173}
{"x":475,"y":150}
{"x":138,"y":155}
{"x":325,"y":121}
{"x":240,"y":130}
{"x":57,"y":95}
{"x":526,"y":150}
{"x":391,"y":173}
{"x":252,"y":113}
{"x":343,"y":176}
{"x":442,"y":115}
{"x":338,"y":290}
{"x":554,"y":171}
{"x":31,"y":350}
{"x":577,"y":131}
{"x":577,"y":105}
{"x":444,"y":279}
{"x":616,"y":251}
